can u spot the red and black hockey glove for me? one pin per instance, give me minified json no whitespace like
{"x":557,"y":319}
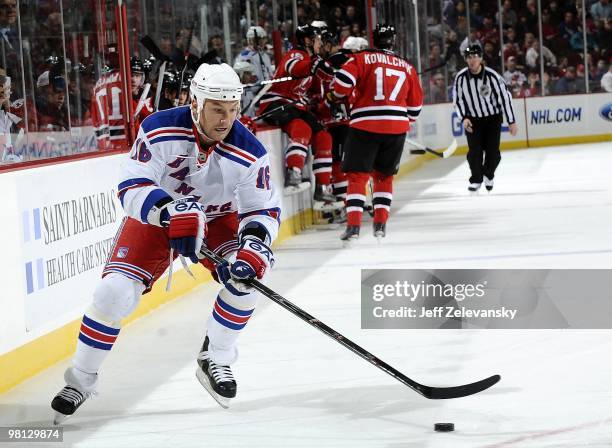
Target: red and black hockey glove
{"x":186,"y":224}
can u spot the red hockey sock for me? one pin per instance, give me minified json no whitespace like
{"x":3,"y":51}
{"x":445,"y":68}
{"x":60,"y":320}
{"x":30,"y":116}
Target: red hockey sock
{"x":355,"y":198}
{"x":339,"y":180}
{"x":322,"y":163}
{"x":299,"y":136}
{"x":294,"y":160}
{"x":381,"y":197}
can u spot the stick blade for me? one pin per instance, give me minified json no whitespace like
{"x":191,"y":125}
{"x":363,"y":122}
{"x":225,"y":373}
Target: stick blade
{"x":150,"y":45}
{"x":444,"y":393}
{"x":451,"y":149}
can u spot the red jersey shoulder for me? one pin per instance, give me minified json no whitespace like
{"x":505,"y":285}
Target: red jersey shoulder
{"x":387,"y":95}
{"x":374,"y":58}
{"x":297,"y":53}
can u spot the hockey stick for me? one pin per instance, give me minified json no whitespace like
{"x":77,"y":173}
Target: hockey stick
{"x":421,"y":149}
{"x":433,"y":67}
{"x":143,"y":99}
{"x":150,"y":45}
{"x":273,"y":81}
{"x":431,"y":392}
{"x":276,"y":109}
{"x":160,"y":83}
{"x":176,"y":101}
{"x":256,"y":98}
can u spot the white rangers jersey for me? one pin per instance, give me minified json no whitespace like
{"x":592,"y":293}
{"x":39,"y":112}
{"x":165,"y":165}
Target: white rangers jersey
{"x":260,"y":60}
{"x":234,"y":176}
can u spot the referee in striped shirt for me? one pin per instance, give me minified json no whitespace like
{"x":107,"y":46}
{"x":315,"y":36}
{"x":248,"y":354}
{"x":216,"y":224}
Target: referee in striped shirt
{"x":482,"y":101}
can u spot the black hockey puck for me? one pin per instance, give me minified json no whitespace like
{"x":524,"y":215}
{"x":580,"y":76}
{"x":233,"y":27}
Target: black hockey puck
{"x":444,"y":427}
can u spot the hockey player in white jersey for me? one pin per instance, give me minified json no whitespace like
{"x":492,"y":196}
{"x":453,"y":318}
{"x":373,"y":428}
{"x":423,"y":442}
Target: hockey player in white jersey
{"x":255,"y":53}
{"x":246,"y":73}
{"x":195,"y":175}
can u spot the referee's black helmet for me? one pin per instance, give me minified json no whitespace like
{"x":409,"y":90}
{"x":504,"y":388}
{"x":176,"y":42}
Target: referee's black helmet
{"x":384,"y":36}
{"x":472,"y":49}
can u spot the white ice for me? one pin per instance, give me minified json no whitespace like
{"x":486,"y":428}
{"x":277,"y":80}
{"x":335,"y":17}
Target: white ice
{"x":551,"y":208}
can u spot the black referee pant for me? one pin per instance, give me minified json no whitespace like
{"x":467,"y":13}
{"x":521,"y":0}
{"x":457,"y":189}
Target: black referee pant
{"x":483,"y":143}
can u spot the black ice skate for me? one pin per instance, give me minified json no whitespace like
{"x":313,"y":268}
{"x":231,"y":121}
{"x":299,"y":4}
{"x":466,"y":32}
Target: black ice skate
{"x":324,"y":200}
{"x":473,"y":188}
{"x":294,"y":183}
{"x":323,"y":193}
{"x":380,"y":230}
{"x":80,"y":386}
{"x":293,"y":177}
{"x":350,"y":234}
{"x":218,"y":380}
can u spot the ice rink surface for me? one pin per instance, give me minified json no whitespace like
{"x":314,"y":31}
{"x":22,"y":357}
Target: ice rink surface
{"x":551,"y":208}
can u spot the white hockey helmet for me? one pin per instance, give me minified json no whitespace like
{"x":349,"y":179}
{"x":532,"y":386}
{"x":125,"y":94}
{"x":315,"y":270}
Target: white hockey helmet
{"x":350,"y":43}
{"x":355,"y":43}
{"x":242,"y":67}
{"x":362,"y":43}
{"x":256,"y":31}
{"x":214,"y":82}
{"x":320,"y":25}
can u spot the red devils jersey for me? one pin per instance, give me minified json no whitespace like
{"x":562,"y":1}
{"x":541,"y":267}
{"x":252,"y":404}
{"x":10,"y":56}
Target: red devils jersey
{"x":330,"y":114}
{"x":297,"y":64}
{"x":145,"y":110}
{"x":107,"y":112}
{"x":383,"y":91}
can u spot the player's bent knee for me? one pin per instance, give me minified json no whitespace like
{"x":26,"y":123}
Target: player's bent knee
{"x":116,"y":296}
{"x":299,"y":131}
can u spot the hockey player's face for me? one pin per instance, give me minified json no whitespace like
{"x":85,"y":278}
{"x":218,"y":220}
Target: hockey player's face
{"x":218,"y":117}
{"x":316,"y":45}
{"x":137,"y":81}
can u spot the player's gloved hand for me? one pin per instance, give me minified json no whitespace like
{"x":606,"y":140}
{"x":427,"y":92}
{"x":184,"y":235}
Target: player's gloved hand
{"x":253,"y":259}
{"x":322,"y":66}
{"x":186,"y":224}
{"x":249,"y":123}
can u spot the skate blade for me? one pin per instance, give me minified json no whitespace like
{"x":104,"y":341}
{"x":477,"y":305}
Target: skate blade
{"x":324,"y":224}
{"x":295,"y":189}
{"x":59,"y":418}
{"x":327,"y":206}
{"x":349,"y":243}
{"x":379,"y":238}
{"x":203,"y":379}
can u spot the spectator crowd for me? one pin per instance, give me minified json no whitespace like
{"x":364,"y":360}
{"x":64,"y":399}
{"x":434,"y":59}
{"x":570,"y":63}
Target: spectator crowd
{"x":566,"y":68}
{"x":52,"y":65}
